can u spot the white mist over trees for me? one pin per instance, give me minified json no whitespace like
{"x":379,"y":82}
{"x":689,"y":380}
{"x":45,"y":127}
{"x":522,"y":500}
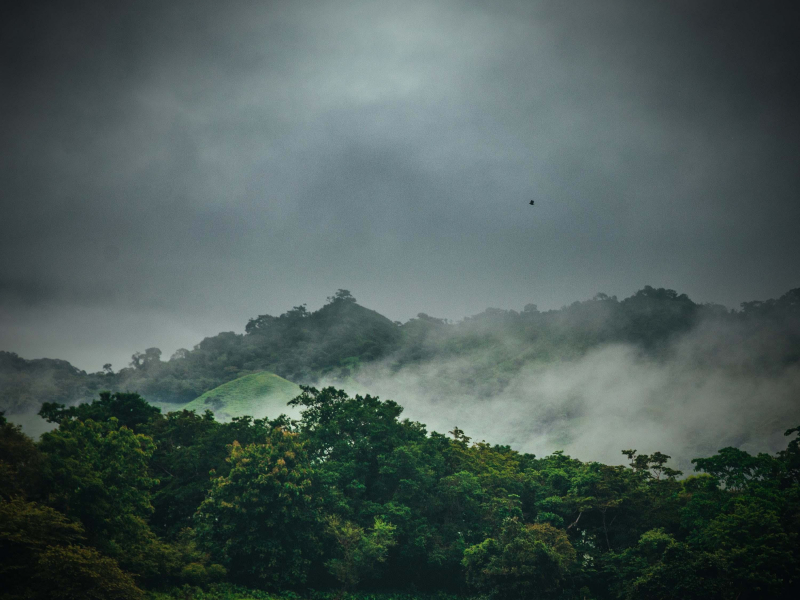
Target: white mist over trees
{"x":655,"y":371}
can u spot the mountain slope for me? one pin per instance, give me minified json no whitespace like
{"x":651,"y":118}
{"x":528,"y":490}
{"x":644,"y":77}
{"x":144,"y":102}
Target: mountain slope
{"x":333,"y":343}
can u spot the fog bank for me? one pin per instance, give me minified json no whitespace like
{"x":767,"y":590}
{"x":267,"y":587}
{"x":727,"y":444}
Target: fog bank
{"x":706,"y":392}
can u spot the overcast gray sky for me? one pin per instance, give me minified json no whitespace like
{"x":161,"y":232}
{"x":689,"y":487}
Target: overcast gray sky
{"x":170,"y":169}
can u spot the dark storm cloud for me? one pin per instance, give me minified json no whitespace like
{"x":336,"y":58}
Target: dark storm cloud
{"x":198,"y":163}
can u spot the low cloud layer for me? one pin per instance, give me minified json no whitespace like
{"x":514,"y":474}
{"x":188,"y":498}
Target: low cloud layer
{"x":687,"y":403}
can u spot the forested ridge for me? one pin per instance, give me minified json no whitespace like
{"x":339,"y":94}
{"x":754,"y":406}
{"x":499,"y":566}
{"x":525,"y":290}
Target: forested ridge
{"x":334,"y":343}
{"x":122,"y":501}
{"x":125,"y":500}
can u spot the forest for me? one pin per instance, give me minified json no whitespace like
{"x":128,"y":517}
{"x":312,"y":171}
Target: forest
{"x":408,"y":300}
{"x":129,"y":495}
{"x":121,"y":501}
{"x":335,"y":343}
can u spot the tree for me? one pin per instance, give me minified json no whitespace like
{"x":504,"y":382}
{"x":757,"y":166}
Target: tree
{"x":348,"y":437}
{"x":130,"y":410}
{"x":651,"y":465}
{"x":358,"y":550}
{"x":42,"y":556}
{"x":341,"y":296}
{"x":791,"y":456}
{"x":759,"y":554}
{"x":261,"y":521}
{"x":524,"y":561}
{"x":20,"y":462}
{"x":661,"y":568}
{"x":190,"y":448}
{"x":745,"y":512}
{"x":97,"y":472}
{"x":78,"y":573}
{"x":146,"y":360}
{"x":737,"y":469}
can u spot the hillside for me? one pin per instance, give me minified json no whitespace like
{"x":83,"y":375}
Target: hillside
{"x":483,"y":352}
{"x":257,"y":395}
{"x":27,"y":383}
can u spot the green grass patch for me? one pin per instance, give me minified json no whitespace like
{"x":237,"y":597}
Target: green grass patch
{"x":258,"y":395}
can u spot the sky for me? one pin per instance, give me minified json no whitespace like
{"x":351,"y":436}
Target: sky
{"x":170,"y":169}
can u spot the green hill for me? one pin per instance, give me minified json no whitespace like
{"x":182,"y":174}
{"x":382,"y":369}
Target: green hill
{"x":258,"y":395}
{"x":331,"y":344}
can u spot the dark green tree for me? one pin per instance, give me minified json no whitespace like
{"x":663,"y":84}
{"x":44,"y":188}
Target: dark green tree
{"x":42,"y":556}
{"x":130,"y":410}
{"x":358,"y":550}
{"x":661,"y":568}
{"x":20,"y":463}
{"x":261,"y":520}
{"x":97,"y":472}
{"x":523,"y":561}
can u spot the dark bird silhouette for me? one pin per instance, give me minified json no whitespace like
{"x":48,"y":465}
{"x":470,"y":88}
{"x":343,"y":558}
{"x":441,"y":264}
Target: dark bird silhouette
{"x":531,"y":202}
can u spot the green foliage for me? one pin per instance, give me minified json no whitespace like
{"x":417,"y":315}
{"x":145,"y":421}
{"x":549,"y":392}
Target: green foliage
{"x":341,"y":296}
{"x":190,"y":448}
{"x":77,"y":573}
{"x":791,"y":457}
{"x":235,"y":592}
{"x":25,"y":384}
{"x":523,"y":561}
{"x":744,"y":511}
{"x":351,"y":495}
{"x":97,"y":472}
{"x":261,"y":520}
{"x":26,"y":530}
{"x":350,"y":437}
{"x":358,"y":550}
{"x":760,"y":556}
{"x":41,"y":557}
{"x":195,"y":574}
{"x":196,"y":568}
{"x":302,"y":346}
{"x":661,"y":568}
{"x":334,"y":341}
{"x":20,"y":462}
{"x":736,"y":469}
{"x":130,"y":410}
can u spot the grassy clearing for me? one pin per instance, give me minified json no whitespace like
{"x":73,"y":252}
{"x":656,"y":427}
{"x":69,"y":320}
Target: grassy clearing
{"x":258,"y":395}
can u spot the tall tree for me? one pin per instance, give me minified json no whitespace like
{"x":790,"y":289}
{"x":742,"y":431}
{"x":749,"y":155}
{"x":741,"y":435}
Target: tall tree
{"x":261,"y":520}
{"x":97,"y":472}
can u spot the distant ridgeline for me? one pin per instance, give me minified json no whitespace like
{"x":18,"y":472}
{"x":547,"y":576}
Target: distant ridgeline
{"x":334,"y":342}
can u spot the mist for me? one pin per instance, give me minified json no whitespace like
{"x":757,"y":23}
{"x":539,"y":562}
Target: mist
{"x":184,"y":184}
{"x":171,"y":169}
{"x":653,"y":372}
{"x":707,"y":390}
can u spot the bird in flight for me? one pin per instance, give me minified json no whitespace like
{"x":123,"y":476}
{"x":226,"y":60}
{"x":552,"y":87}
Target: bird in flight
{"x":531,"y":202}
